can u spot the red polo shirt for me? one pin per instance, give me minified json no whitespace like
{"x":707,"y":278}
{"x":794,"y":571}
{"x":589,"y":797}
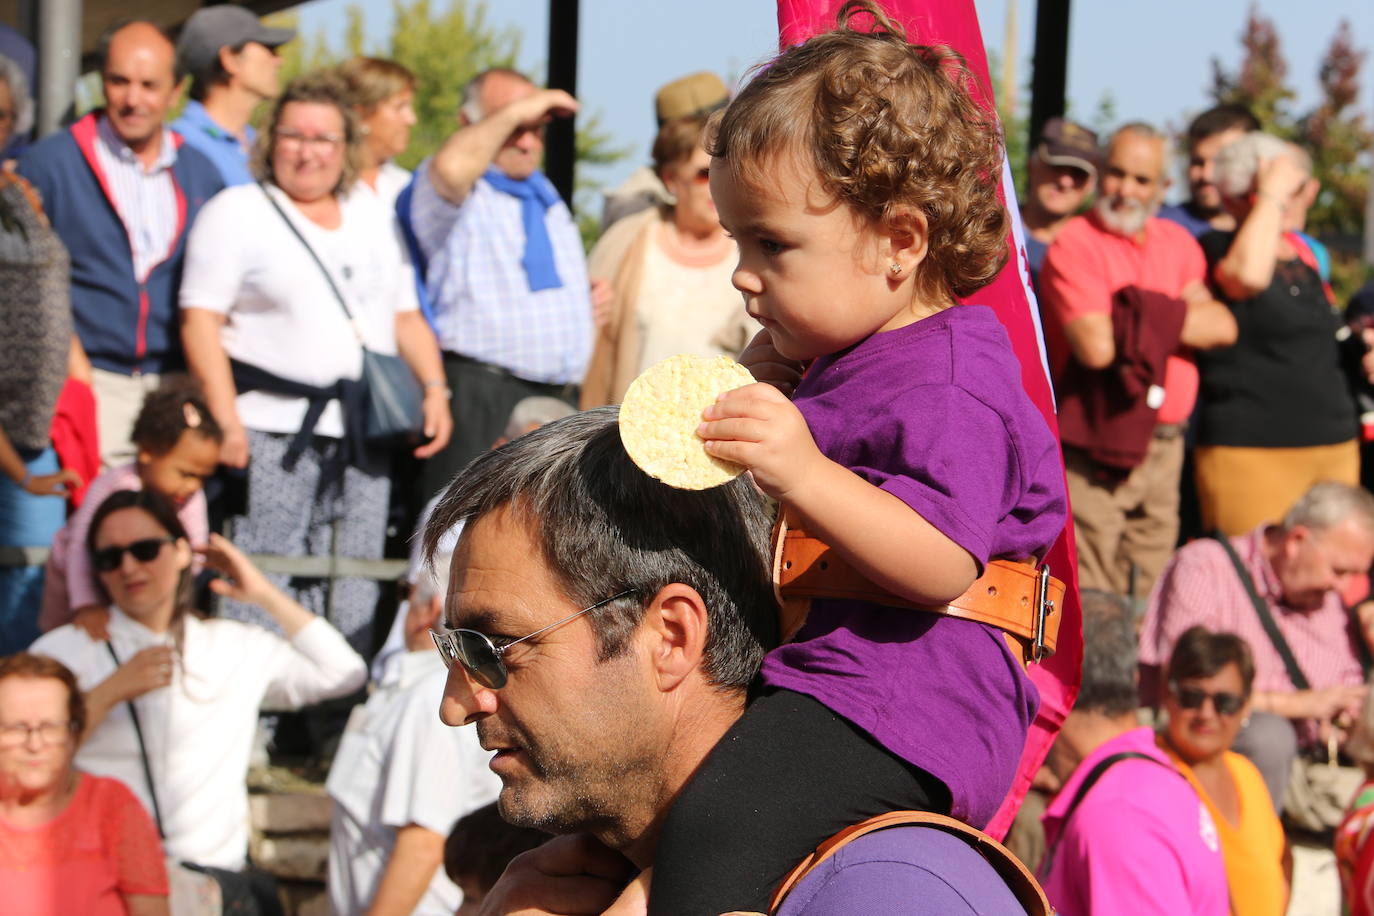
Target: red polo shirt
{"x":1087,"y":265}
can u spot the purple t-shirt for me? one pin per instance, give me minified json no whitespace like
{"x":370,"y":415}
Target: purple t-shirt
{"x":935,"y":414}
{"x":908,"y":870}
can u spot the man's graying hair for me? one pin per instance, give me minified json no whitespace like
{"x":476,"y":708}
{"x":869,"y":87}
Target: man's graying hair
{"x":605,"y":526}
{"x":472,"y":92}
{"x":1328,"y":503}
{"x":1109,"y":646}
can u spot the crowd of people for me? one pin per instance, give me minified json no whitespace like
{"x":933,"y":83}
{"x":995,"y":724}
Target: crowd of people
{"x":201,"y":316}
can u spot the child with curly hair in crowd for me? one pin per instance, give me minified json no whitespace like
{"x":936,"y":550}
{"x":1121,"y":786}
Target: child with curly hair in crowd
{"x":178,"y":444}
{"x":859,"y":178}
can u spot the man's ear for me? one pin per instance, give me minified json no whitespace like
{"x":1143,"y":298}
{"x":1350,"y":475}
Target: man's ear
{"x":675,"y":629}
{"x":906,"y":237}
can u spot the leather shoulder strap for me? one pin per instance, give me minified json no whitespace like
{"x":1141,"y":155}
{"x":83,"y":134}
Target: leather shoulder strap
{"x":1018,"y":878}
{"x":1266,"y":619}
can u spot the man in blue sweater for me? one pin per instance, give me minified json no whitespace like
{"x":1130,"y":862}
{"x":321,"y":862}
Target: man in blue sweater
{"x":122,"y":191}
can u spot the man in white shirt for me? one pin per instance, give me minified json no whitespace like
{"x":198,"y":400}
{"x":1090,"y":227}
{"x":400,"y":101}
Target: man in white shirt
{"x":401,"y":778}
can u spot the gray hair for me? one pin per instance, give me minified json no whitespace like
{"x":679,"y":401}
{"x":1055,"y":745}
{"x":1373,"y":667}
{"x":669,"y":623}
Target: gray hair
{"x":535,"y":412}
{"x":432,"y":580}
{"x":1109,"y":655}
{"x":12,"y":75}
{"x":1328,"y":503}
{"x":1238,"y":162}
{"x":1149,"y":132}
{"x":604,"y":526}
{"x":471,"y":106}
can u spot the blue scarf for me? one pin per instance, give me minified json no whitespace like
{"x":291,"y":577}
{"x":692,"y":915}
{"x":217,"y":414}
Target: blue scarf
{"x":536,"y":195}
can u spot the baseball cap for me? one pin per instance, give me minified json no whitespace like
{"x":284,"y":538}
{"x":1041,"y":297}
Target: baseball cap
{"x":1062,"y":142}
{"x":692,"y":95}
{"x":225,"y":26}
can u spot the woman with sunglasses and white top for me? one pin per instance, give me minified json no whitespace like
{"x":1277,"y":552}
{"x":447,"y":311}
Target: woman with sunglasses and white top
{"x":196,"y":685}
{"x":1208,"y":699}
{"x":669,"y":270}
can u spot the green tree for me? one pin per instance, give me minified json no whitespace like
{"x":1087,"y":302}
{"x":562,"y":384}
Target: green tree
{"x":1259,"y":82}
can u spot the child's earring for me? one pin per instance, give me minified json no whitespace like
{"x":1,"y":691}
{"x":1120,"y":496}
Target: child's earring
{"x":895,"y":269}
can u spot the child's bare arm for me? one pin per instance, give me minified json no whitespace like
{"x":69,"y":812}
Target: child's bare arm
{"x":878,"y":534}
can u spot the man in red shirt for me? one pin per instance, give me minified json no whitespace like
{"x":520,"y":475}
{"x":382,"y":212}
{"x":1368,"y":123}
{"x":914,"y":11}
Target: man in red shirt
{"x":1126,"y":521}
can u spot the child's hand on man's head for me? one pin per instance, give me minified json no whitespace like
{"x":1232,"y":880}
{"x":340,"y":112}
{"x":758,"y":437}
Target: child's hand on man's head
{"x":758,"y":427}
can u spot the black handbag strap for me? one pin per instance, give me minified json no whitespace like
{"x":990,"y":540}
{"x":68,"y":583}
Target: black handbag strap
{"x":328,"y":277}
{"x":1266,"y":619}
{"x":1088,"y":782}
{"x":142,"y":753}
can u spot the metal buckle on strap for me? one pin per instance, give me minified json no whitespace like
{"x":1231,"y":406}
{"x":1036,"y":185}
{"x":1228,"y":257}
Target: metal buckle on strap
{"x":1044,"y":607}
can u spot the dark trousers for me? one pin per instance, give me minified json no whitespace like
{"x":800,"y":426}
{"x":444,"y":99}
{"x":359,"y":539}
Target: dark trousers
{"x":483,"y":397}
{"x":788,"y":775}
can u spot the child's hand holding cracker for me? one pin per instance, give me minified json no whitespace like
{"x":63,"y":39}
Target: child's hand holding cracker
{"x":758,"y":427}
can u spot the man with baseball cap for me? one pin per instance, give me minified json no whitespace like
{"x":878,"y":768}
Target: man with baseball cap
{"x":1062,"y":174}
{"x":232,"y":60}
{"x":691,"y":96}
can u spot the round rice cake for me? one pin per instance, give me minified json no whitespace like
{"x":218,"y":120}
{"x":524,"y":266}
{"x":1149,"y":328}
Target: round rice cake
{"x":660,"y":414}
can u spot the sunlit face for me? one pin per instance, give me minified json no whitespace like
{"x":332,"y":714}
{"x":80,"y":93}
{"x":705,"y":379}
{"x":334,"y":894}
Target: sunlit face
{"x":809,"y":272}
{"x":180,"y":473}
{"x":1059,"y":190}
{"x":308,"y":155}
{"x":520,"y":155}
{"x":1133,"y":183}
{"x":573,"y":735}
{"x":1312,"y":564}
{"x":1204,"y":732}
{"x":42,"y":761}
{"x":140,"y":83}
{"x":688,"y":180}
{"x":256,"y":68}
{"x":141,"y":589}
{"x":388,"y":126}
{"x":1206,"y":195}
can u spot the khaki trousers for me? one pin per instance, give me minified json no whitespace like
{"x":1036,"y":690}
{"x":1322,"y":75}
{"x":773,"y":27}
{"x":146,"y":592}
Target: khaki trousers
{"x":1130,"y":523}
{"x":1240,"y":489}
{"x":118,"y":399}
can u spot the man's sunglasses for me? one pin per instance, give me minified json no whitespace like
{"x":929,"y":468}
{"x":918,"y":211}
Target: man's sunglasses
{"x":1224,"y":702}
{"x":108,"y":559}
{"x":481,"y":658}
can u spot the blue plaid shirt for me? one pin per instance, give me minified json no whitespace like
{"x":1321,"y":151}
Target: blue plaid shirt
{"x":483,"y":306}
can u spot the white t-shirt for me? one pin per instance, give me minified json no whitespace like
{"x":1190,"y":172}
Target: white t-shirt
{"x":245,"y":263}
{"x":199,"y":730}
{"x":397,"y":764}
{"x":391,"y":181}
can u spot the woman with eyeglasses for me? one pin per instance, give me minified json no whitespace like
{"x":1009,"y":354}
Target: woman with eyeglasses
{"x":669,"y":269}
{"x":173,"y":698}
{"x":285,"y":283}
{"x":70,"y":842}
{"x":1208,"y":698}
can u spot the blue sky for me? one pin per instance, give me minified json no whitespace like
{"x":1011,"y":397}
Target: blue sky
{"x":1154,"y":60}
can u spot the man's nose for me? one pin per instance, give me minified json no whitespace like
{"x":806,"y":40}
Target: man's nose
{"x":465,"y":701}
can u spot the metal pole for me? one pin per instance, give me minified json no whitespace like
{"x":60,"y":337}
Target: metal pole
{"x":59,"y":61}
{"x":560,"y":144}
{"x":1049,"y":66}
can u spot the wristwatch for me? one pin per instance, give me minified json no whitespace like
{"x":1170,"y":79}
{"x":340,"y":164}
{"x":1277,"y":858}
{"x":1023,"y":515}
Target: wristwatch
{"x":439,"y":383}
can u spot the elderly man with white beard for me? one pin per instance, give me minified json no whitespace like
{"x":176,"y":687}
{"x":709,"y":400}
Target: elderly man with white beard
{"x":1126,"y":304}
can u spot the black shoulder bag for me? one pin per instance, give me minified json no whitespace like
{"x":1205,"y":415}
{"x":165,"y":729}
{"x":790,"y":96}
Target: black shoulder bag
{"x":1266,"y":619}
{"x":395,"y":409}
{"x":251,"y":892}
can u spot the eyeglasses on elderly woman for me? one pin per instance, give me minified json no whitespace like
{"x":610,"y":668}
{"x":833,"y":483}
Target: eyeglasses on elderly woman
{"x":481,"y":657}
{"x":1224,"y":702}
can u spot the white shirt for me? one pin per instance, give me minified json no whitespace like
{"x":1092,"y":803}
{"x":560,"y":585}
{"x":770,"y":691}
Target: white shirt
{"x":199,"y":730}
{"x":397,"y":764}
{"x":244,"y":262}
{"x":144,"y":198}
{"x":391,"y":181}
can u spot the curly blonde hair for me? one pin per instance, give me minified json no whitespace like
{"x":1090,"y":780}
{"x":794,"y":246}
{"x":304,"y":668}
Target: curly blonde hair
{"x":890,"y":128}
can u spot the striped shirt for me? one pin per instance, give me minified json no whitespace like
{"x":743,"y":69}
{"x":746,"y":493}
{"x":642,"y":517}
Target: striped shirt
{"x":483,"y":306}
{"x":144,"y":198}
{"x":1199,"y":586}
